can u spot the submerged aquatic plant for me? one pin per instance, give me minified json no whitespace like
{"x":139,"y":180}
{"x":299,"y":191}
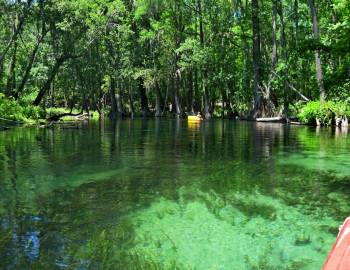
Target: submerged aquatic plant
{"x":253,"y":206}
{"x":302,"y":239}
{"x":205,"y":231}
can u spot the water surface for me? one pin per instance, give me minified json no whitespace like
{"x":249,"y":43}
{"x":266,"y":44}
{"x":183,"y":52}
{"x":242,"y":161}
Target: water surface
{"x":162,"y":194}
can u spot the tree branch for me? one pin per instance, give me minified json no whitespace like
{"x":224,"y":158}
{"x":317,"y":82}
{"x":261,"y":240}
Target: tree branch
{"x":293,"y":88}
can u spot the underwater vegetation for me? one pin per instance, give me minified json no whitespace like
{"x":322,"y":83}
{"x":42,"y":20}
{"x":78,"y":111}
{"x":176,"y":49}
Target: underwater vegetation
{"x":203,"y":231}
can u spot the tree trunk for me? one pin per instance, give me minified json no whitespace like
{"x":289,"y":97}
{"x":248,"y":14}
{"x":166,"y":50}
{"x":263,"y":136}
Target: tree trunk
{"x":172,"y":91}
{"x":144,"y":99}
{"x":190,"y":93}
{"x":334,"y":59}
{"x":197,"y":102}
{"x":114,"y":105}
{"x":59,"y":62}
{"x":274,"y":36}
{"x":120,"y":102}
{"x":269,"y":107}
{"x":284,"y":58}
{"x":230,"y":86}
{"x":165,"y":101}
{"x":315,"y":30}
{"x":177,"y":100}
{"x":257,"y":111}
{"x":207,"y":113}
{"x":27,"y":71}
{"x":131,"y":99}
{"x":158,"y":102}
{"x":11,"y":80}
{"x":223,"y":101}
{"x":16,"y":32}
{"x":296,"y":22}
{"x":52,"y":93}
{"x":247,"y":58}
{"x":334,"y":14}
{"x":30,"y":64}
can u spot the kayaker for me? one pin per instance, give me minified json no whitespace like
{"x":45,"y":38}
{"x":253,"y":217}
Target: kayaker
{"x":199,"y":115}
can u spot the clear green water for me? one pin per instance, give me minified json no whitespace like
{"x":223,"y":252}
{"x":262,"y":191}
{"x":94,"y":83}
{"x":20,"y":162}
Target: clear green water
{"x":165,"y":195}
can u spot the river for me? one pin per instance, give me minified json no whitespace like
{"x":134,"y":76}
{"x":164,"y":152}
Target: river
{"x":166,"y":194}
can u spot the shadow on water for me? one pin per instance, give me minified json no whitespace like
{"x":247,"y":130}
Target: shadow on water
{"x":167,"y":194}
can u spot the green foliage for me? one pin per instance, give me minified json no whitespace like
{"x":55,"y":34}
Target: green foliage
{"x":192,"y":54}
{"x":33,"y":112}
{"x":325,"y":112}
{"x":13,"y":110}
{"x":57,"y":110}
{"x":313,"y":110}
{"x":195,"y":49}
{"x":341,"y":109}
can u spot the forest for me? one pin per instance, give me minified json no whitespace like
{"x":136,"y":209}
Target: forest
{"x":128,"y":58}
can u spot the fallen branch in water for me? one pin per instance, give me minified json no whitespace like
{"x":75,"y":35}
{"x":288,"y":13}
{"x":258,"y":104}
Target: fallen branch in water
{"x":57,"y":117}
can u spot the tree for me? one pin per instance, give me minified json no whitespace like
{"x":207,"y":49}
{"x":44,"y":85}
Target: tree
{"x":158,"y":58}
{"x":258,"y":102}
{"x":316,"y":34}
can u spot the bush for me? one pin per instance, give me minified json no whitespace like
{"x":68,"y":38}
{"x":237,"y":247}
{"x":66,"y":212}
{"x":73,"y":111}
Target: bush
{"x":341,"y":109}
{"x":33,"y":112}
{"x":310,"y":112}
{"x":12,"y":110}
{"x":325,"y":112}
{"x":56,"y":111}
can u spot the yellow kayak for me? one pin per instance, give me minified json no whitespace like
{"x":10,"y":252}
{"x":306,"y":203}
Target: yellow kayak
{"x":194,"y":118}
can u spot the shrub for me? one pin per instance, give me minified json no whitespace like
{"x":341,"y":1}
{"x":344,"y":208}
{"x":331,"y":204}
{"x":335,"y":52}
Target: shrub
{"x":325,"y":112}
{"x":341,"y":109}
{"x":310,"y":112}
{"x":33,"y":112}
{"x":12,"y":110}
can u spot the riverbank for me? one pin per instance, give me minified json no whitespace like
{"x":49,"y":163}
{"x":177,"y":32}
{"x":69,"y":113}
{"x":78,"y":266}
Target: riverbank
{"x":14,"y":113}
{"x":314,"y":113}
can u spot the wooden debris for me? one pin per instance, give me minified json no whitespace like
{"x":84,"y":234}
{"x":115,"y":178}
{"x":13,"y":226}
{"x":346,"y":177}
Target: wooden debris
{"x":271,"y":119}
